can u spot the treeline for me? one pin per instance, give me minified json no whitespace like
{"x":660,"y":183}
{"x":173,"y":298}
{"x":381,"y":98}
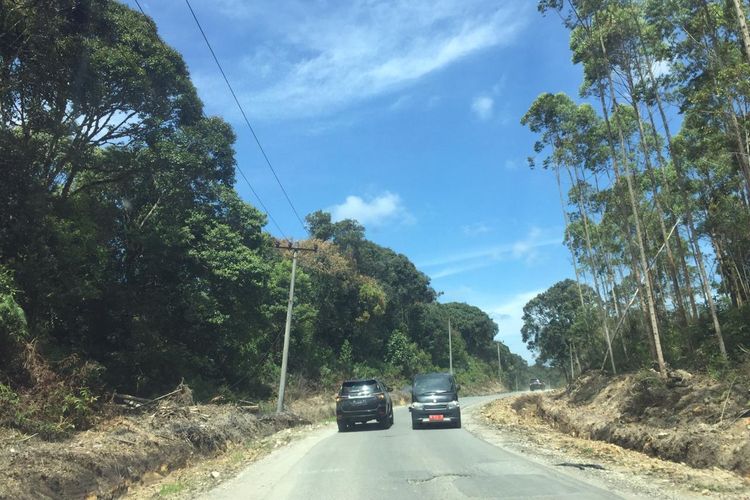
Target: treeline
{"x":129,"y":262}
{"x":657,"y":216}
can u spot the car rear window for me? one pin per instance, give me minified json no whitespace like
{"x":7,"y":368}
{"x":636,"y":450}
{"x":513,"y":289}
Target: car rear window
{"x":359,"y":386}
{"x":429,"y":383}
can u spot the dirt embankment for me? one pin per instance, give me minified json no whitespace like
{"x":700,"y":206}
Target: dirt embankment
{"x":106,"y":461}
{"x":683,"y":418}
{"x":144,"y":446}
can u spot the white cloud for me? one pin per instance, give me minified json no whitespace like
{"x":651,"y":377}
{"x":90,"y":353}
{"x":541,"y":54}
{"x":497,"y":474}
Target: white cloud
{"x":509,"y":315}
{"x":387,"y":207}
{"x":505,"y":310}
{"x":321,"y":56}
{"x":526,"y":249}
{"x":458,"y":269}
{"x":400,"y":103}
{"x":476,"y":229}
{"x":482,"y":106}
{"x":661,"y":68}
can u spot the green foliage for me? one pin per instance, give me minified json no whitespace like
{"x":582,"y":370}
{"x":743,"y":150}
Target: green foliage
{"x":345,"y":356}
{"x":9,"y":406}
{"x":13,"y":326}
{"x":555,"y":322}
{"x":405,"y":355}
{"x":54,"y":403}
{"x":641,"y":195}
{"x":170,"y":489}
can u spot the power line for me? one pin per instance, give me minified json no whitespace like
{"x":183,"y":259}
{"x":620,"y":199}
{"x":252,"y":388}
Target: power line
{"x":263,"y":206}
{"x":242,"y":174}
{"x":244,"y":116}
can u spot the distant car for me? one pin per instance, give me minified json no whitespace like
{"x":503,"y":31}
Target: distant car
{"x":434,"y":400}
{"x":362,"y":400}
{"x":536,"y":385}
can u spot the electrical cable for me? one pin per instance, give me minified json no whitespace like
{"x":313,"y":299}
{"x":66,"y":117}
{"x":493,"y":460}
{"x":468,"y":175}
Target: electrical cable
{"x":242,"y":174}
{"x":244,"y":115}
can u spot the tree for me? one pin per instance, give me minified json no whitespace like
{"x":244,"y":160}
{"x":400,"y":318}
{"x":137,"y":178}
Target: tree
{"x":555,"y":321}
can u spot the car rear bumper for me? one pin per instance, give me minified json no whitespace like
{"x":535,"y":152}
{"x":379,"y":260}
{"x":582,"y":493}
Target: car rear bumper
{"x":361,"y":415}
{"x":423,"y":416}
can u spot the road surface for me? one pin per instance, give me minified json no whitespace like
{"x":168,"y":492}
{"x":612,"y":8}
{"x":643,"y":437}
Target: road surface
{"x":400,"y":463}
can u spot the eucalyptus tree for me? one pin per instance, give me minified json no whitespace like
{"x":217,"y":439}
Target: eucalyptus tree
{"x":701,"y":44}
{"x":575,"y":137}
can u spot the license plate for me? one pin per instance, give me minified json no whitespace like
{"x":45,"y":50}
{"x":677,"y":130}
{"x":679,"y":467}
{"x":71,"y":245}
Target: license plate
{"x":436,"y":418}
{"x":358,"y":402}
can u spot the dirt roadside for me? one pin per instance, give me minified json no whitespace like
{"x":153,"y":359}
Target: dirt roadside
{"x":127,"y":451}
{"x":169,"y":450}
{"x":201,"y":476}
{"x":206,"y":474}
{"x":517,"y":424}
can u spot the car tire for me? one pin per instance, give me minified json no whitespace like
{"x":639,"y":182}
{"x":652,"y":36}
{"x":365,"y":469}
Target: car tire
{"x":457,"y":425}
{"x":343,"y":426}
{"x":414,"y":424}
{"x":390,"y":419}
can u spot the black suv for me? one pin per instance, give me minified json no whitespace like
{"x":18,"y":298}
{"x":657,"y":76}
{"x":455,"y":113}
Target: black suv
{"x":434,"y":400}
{"x":362,"y":400}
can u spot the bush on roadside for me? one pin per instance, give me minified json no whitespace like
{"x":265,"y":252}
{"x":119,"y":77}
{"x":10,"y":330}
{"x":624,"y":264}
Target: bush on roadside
{"x":51,"y":403}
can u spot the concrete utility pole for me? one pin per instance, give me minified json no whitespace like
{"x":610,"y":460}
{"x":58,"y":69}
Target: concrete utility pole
{"x":499,"y":365}
{"x":450,"y":347}
{"x":288,"y":326}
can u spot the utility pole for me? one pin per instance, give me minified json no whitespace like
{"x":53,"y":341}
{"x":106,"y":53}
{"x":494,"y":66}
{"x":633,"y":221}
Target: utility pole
{"x":288,"y":326}
{"x":450,"y":347}
{"x":499,"y":365}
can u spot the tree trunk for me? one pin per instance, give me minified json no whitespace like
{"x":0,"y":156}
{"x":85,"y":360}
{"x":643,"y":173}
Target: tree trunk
{"x":743,"y":27}
{"x":590,"y":255}
{"x":572,"y":374}
{"x":639,"y":234}
{"x":671,"y":267}
{"x":565,"y":220}
{"x":674,"y":271}
{"x":681,"y":180}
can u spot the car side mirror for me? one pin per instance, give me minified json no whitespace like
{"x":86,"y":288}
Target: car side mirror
{"x":458,"y":387}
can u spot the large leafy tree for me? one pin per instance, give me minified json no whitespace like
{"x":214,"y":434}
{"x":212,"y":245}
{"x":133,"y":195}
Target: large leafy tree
{"x":119,"y":220}
{"x":555,"y":321}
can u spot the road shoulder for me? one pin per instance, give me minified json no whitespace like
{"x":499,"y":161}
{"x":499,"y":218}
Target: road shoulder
{"x":215,"y":477}
{"x":624,"y":472}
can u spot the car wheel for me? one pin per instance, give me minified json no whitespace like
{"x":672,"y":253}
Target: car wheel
{"x":343,"y":426}
{"x":457,"y":425}
{"x":390,"y":419}
{"x":414,"y":424}
{"x":385,"y":422}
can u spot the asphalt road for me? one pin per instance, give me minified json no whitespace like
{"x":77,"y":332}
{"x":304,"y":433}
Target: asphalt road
{"x":370,"y":463}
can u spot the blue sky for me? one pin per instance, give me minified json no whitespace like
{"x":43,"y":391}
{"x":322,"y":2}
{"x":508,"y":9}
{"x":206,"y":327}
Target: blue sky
{"x":403,"y":115}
